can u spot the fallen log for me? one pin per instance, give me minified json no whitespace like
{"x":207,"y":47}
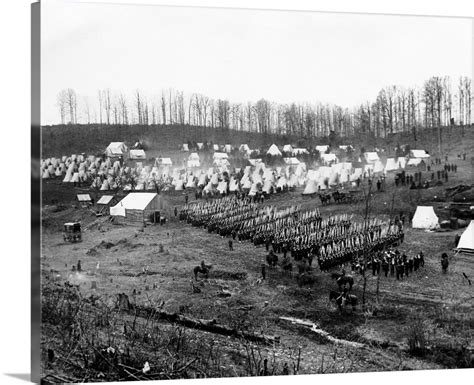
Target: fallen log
{"x":205,"y":325}
{"x":322,"y":333}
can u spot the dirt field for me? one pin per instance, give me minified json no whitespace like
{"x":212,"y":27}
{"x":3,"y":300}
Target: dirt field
{"x":113,"y":256}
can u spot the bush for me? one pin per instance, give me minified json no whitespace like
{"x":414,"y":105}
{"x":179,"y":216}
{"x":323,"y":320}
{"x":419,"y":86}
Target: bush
{"x":417,"y":343}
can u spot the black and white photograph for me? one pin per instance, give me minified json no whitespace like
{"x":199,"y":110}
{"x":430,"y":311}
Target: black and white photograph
{"x":252,"y":192}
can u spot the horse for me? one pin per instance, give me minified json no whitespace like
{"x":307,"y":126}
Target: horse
{"x":351,"y":299}
{"x":325,"y":198}
{"x":204,"y":270}
{"x":272,"y":259}
{"x":343,"y":280}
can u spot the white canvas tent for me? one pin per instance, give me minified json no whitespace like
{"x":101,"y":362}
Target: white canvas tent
{"x":327,"y":158}
{"x":273,"y":150}
{"x":425,"y":218}
{"x":414,"y":161}
{"x":419,"y":154}
{"x":115,"y":149}
{"x":137,"y":154}
{"x":371,"y":157}
{"x":291,"y":161}
{"x":299,"y":151}
{"x":220,"y":155}
{"x":466,"y":242}
{"x":105,"y":199}
{"x":138,"y":202}
{"x":287,"y":148}
{"x":83,"y":197}
{"x":311,"y":187}
{"x":185,"y":147}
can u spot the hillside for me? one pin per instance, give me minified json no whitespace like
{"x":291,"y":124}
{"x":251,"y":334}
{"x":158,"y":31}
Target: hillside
{"x":67,"y":139}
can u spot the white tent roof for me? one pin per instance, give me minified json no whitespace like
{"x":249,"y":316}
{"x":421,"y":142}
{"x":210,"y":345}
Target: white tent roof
{"x":105,"y":199}
{"x":228,"y":148}
{"x":193,"y":156}
{"x":414,"y":161}
{"x":133,"y":201}
{"x":273,"y":150}
{"x":419,"y":154}
{"x":466,"y":242}
{"x":83,"y":197}
{"x":328,"y":157}
{"x":287,"y":148}
{"x":393,"y":164}
{"x":137,"y":154}
{"x":116,"y":149}
{"x":298,"y":151}
{"x":322,"y":148}
{"x":220,"y":155}
{"x":291,"y":161}
{"x":425,"y":218}
{"x":185,"y":147}
{"x":371,"y":157}
{"x":311,"y":187}
{"x":193,"y":163}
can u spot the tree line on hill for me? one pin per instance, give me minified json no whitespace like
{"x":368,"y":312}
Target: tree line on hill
{"x":395,"y":109}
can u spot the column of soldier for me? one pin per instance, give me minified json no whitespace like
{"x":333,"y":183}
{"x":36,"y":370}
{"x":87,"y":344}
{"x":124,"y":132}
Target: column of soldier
{"x":390,"y":262}
{"x":334,"y":241}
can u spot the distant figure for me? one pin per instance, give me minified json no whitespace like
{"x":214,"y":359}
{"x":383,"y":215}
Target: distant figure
{"x":444,"y":262}
{"x":379,"y":184}
{"x":79,"y":267}
{"x":263,"y":272}
{"x":175,"y":211}
{"x":186,"y":198}
{"x":231,"y":246}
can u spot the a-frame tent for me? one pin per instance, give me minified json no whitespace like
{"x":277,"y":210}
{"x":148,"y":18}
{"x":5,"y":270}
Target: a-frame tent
{"x":466,"y":242}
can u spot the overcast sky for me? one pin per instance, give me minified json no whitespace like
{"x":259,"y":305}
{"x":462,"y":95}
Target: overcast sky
{"x":243,"y":55}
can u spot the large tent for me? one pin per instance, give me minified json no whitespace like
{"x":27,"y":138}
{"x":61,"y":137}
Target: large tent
{"x":425,"y":218}
{"x":116,"y":149}
{"x":466,"y":242}
{"x":135,"y":206}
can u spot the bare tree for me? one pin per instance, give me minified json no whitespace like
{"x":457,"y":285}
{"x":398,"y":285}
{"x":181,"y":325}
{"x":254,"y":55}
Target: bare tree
{"x":107,"y":105}
{"x":71,"y":102}
{"x":62,"y":104}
